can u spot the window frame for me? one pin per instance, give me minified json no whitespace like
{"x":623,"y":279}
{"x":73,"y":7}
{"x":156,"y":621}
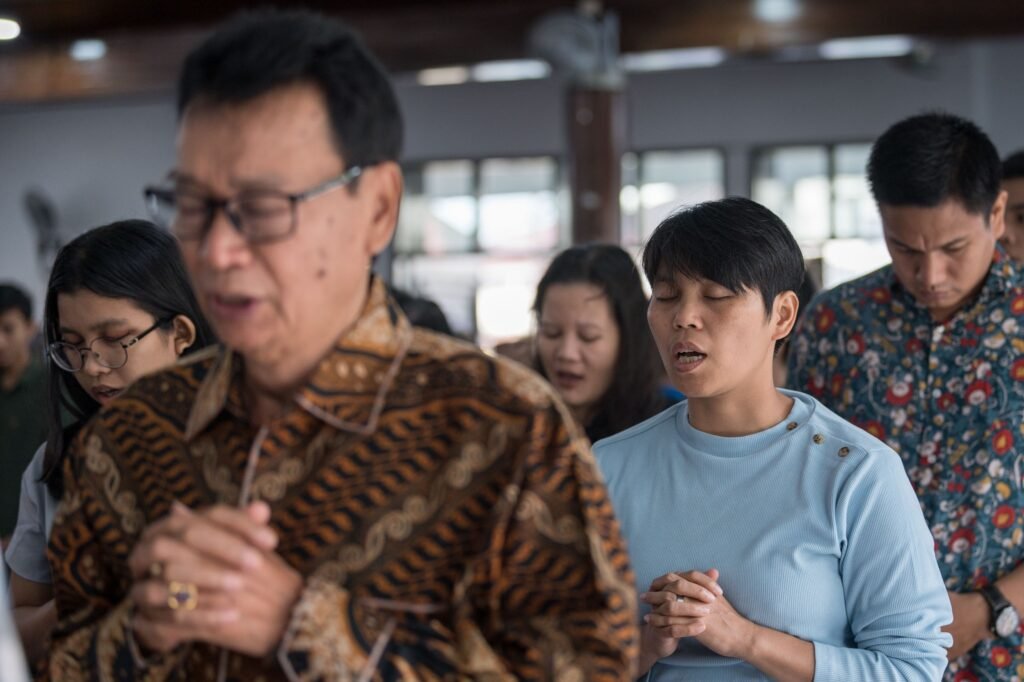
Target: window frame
{"x":719,"y":149}
{"x":476,"y":163}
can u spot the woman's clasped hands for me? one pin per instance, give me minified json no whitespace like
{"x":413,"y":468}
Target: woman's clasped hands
{"x":691,"y":604}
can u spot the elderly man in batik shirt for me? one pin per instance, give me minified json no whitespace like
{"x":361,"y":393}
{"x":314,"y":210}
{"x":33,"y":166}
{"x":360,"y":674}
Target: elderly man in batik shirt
{"x":333,"y":495}
{"x":926,"y":355}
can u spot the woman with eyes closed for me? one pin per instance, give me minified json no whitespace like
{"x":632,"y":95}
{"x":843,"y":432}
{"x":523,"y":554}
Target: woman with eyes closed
{"x":593,"y":343}
{"x":118,"y":305}
{"x":770,"y":539}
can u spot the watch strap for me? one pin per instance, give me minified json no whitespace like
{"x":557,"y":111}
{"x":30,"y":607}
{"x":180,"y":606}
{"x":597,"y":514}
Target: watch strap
{"x":997,"y":601}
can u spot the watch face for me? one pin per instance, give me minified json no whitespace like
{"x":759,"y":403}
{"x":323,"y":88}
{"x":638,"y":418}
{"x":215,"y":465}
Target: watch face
{"x":1007,"y":622}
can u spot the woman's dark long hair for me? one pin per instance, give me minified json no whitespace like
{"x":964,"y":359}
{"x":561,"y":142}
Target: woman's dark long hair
{"x":634,"y":393}
{"x":129,"y":259}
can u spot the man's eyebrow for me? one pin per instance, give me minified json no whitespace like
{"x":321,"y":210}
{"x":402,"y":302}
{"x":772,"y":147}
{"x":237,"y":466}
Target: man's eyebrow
{"x":268,"y":183}
{"x":902,"y":245}
{"x":956,"y":241}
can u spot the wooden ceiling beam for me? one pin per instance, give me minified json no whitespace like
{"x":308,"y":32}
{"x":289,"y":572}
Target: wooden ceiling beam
{"x":147,"y":41}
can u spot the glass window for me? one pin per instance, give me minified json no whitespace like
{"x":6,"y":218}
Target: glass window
{"x":822,"y":193}
{"x":485,"y":297}
{"x":519,"y":205}
{"x":846,"y":259}
{"x":448,"y":280}
{"x":504,"y":300}
{"x":475,"y":237}
{"x":629,"y":200}
{"x":854,"y":209}
{"x":656,"y":183}
{"x":439,"y":208}
{"x":793,"y":182}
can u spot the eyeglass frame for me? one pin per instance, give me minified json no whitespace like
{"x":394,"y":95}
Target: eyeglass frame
{"x":213,"y":205}
{"x":82,"y":349}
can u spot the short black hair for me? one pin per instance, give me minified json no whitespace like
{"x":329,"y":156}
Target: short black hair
{"x":1013,"y":166}
{"x":258,"y":51}
{"x":422,"y":312}
{"x":13,"y":297}
{"x":734,"y":242}
{"x":926,"y":159}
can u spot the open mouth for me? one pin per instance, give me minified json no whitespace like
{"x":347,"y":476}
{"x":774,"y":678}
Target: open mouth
{"x":232,"y":300}
{"x":105,"y":395}
{"x":690,"y":357}
{"x":228,"y":305}
{"x":568,"y":379}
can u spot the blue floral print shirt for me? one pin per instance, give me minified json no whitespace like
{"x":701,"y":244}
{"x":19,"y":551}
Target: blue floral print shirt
{"x":949,"y":398}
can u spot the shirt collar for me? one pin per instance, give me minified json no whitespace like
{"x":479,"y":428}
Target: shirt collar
{"x":1004,"y":274}
{"x":347,"y":390}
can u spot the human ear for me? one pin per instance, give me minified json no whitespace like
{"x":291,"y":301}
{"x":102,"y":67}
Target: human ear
{"x":997,"y":217}
{"x":784,"y":314}
{"x":184,"y":334}
{"x":384,"y":182}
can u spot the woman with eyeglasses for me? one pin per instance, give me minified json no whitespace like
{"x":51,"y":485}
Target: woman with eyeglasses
{"x":118,"y":306}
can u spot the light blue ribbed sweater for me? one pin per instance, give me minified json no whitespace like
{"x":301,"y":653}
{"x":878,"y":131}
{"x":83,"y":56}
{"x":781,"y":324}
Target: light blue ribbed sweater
{"x":813,"y":526}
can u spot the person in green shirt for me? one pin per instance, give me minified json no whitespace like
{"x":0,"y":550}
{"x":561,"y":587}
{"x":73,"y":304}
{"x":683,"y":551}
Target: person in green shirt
{"x":22,"y":400}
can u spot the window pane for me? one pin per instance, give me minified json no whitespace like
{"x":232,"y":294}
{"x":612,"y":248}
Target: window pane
{"x":855,"y":211}
{"x":629,"y":199}
{"x":671,"y":179}
{"x":793,"y":182}
{"x":485,"y":298}
{"x":504,"y":300}
{"x":438,"y":209}
{"x":846,"y":259}
{"x":519,"y":205}
{"x":448,"y":280}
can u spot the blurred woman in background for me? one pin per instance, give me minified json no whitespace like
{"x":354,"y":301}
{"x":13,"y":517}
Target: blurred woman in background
{"x":593,"y":342}
{"x":118,"y":305}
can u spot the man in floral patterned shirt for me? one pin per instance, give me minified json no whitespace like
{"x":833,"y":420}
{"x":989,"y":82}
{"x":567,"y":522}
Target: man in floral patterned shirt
{"x":927,"y":354}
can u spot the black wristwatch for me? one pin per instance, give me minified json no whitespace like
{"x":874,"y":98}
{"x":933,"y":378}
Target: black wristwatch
{"x":1005,"y":618}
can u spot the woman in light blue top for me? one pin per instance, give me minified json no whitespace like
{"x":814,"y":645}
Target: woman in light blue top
{"x":770,"y":538}
{"x":118,"y":305}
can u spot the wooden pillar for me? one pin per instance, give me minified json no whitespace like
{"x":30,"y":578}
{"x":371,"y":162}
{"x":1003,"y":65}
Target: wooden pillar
{"x":596,"y":134}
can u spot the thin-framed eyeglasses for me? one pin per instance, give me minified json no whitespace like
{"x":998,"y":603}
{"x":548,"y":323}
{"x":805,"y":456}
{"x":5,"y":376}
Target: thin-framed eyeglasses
{"x":260,"y":216}
{"x":112,"y":354}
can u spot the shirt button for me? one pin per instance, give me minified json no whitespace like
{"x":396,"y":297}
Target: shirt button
{"x":844,"y":451}
{"x":818,"y":439}
{"x":791,"y":425}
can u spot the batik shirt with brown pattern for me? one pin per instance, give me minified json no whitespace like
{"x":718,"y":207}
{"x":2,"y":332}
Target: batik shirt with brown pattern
{"x":444,"y":512}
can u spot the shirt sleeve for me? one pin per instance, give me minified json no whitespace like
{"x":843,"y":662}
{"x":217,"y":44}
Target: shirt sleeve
{"x":552,"y":597}
{"x":563,"y":585}
{"x":26,"y":554}
{"x":93,"y":638}
{"x":895,"y":596}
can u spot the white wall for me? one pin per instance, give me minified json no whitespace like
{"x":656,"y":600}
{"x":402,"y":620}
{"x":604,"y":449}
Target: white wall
{"x":93,"y":158}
